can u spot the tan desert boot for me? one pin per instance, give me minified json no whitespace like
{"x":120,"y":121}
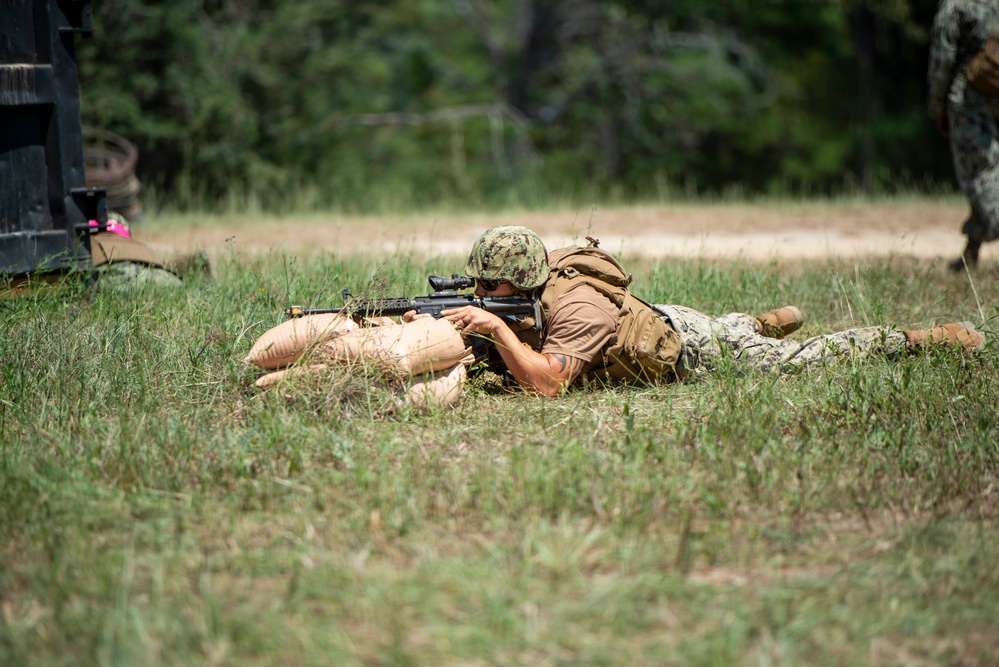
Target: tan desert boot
{"x":961,"y":334}
{"x":779,"y":322}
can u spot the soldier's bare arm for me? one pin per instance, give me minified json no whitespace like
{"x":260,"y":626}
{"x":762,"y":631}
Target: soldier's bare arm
{"x":544,"y":374}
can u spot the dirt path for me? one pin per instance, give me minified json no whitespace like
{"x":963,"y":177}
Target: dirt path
{"x":916,"y":228}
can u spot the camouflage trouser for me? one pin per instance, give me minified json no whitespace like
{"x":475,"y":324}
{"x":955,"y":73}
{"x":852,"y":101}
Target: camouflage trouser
{"x":974,"y":143}
{"x":126,"y":275}
{"x":709,"y":339}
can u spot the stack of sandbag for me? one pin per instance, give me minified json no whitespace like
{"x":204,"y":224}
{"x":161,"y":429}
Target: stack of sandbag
{"x":425,"y":359}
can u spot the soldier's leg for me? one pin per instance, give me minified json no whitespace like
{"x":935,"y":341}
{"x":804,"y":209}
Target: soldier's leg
{"x":696,"y":330}
{"x":889,"y":341}
{"x":736,"y":335}
{"x":735,"y":331}
{"x":849,"y":344}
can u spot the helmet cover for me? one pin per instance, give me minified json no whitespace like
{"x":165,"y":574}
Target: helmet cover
{"x":512,"y":254}
{"x":116,"y":225}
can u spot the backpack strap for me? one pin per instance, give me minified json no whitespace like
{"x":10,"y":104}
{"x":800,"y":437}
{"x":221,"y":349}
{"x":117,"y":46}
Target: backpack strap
{"x":645,"y":347}
{"x":588,"y":265}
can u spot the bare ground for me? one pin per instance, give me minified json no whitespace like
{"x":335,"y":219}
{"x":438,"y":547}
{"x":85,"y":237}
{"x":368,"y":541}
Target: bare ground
{"x":919,"y":228}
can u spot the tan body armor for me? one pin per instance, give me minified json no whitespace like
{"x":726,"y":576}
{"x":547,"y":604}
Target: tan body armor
{"x":644,"y":349}
{"x":108,"y":248}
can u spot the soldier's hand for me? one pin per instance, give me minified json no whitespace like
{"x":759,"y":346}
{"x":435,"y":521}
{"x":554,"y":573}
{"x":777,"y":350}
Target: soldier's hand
{"x":473,"y":320}
{"x":411,"y":315}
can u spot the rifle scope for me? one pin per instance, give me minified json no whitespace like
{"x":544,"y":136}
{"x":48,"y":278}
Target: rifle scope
{"x":455,"y":282}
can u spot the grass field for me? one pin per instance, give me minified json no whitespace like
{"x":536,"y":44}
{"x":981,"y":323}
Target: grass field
{"x":156,"y":509}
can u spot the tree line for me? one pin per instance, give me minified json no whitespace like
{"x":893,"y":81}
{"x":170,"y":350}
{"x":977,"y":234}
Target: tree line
{"x":350,"y":103}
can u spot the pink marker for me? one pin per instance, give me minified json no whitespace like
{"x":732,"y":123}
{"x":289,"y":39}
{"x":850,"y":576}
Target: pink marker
{"x":115,"y":227}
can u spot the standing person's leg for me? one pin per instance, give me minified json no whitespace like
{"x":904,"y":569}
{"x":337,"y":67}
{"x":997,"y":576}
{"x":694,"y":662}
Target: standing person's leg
{"x":974,"y":142}
{"x":972,"y":229}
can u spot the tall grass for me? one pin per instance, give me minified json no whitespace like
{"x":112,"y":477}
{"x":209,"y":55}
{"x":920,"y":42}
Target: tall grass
{"x":156,"y":509}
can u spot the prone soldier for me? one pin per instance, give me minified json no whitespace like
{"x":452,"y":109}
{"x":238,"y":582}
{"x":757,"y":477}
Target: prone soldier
{"x":594,"y":328}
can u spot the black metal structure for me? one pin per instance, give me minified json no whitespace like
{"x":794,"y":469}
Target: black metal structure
{"x":44,"y":204}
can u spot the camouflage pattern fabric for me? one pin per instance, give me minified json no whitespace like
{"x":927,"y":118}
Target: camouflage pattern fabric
{"x":130,"y":275}
{"x":960,"y":30}
{"x":511,"y":253}
{"x":706,"y":340}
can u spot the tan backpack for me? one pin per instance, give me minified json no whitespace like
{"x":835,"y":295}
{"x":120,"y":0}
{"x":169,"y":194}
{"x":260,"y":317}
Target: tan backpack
{"x":983,"y":70}
{"x":645,"y":348}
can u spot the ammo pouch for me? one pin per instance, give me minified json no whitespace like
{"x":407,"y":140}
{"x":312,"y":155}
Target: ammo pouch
{"x":983,"y":70}
{"x":645,"y":348}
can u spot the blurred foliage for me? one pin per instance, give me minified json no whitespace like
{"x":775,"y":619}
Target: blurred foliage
{"x":475,"y":102}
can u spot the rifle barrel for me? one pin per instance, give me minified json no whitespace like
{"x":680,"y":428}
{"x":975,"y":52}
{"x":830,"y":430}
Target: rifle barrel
{"x":432,"y":305}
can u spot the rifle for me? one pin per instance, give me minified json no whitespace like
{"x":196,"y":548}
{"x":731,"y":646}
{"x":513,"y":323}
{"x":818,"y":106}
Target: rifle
{"x":514,"y":310}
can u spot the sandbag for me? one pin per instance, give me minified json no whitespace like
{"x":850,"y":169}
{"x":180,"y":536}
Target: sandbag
{"x":431,"y":390}
{"x":108,"y":248}
{"x":421,"y":346}
{"x":284,"y":344}
{"x":270,"y":379}
{"x":440,"y":389}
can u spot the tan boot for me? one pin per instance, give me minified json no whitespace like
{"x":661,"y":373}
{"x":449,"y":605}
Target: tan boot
{"x":956,"y":334}
{"x":779,"y":322}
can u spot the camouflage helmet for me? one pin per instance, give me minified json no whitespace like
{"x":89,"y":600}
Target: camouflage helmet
{"x":513,"y":254}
